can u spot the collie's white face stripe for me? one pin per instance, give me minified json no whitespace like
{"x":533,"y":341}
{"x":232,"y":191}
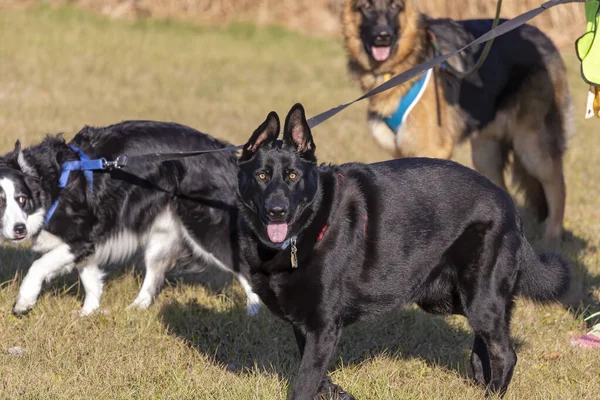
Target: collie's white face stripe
{"x":13,"y":213}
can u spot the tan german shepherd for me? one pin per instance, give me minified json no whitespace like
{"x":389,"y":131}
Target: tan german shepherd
{"x":517,"y":104}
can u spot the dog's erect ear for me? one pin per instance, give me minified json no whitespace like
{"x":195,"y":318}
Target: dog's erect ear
{"x":297,"y":133}
{"x":267,"y":132}
{"x":22,"y":162}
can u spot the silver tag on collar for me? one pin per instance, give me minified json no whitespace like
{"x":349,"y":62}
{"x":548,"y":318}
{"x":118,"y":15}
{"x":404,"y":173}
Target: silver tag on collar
{"x":294,"y":253}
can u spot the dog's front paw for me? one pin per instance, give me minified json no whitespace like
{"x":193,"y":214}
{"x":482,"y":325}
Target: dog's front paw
{"x":141,"y":303}
{"x":86,"y":312}
{"x":331,"y":391}
{"x":22,"y":307}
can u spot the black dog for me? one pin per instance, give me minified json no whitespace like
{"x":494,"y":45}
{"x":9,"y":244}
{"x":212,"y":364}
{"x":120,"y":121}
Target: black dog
{"x":174,"y":211}
{"x":330,"y":245}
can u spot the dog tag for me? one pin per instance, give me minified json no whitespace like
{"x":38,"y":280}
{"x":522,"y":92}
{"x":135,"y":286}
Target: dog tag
{"x":294,"y":253}
{"x":597,"y":101}
{"x":593,"y":103}
{"x":589,"y":110}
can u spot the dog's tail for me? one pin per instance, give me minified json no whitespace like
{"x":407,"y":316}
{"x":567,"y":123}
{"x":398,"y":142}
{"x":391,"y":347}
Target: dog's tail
{"x":543,"y":276}
{"x":531,"y":187}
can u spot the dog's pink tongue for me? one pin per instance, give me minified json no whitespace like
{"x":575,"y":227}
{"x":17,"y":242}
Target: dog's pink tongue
{"x":381,"y":53}
{"x":277,"y":232}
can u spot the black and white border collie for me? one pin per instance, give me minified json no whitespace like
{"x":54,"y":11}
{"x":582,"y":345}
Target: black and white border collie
{"x":173,"y":210}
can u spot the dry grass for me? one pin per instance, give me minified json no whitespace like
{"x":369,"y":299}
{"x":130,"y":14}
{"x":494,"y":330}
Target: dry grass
{"x":317,"y":16}
{"x":62,"y":69}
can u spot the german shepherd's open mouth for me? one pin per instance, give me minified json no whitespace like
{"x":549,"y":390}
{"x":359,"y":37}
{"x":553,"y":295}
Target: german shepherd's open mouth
{"x":380,"y":26}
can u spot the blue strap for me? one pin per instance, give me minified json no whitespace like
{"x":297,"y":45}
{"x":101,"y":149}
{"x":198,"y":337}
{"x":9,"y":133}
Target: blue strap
{"x":51,"y":211}
{"x":408,"y":102}
{"x":84,"y":164}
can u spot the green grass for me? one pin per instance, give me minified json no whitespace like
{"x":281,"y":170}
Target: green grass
{"x":61,"y":69}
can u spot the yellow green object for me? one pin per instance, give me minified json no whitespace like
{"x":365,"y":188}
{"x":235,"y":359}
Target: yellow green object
{"x":588,"y":45}
{"x":588,"y":51}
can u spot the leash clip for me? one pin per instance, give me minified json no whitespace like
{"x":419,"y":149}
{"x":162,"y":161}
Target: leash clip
{"x":119,"y":163}
{"x":294,"y":253}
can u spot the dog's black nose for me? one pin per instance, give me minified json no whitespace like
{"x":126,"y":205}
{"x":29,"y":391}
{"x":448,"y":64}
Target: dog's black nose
{"x":20,"y":229}
{"x":277,"y":212}
{"x":383,"y":38}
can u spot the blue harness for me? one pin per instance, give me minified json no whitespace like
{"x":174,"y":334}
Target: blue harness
{"x":408,"y":102}
{"x":84,"y":164}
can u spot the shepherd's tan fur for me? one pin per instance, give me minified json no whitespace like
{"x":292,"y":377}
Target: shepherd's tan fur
{"x":427,"y":132}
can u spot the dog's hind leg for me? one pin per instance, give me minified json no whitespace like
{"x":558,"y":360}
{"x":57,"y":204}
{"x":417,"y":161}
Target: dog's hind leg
{"x":158,"y":259}
{"x":486,"y":277}
{"x":547,"y":170}
{"x":92,"y":279}
{"x":542,"y":127}
{"x":58,"y":261}
{"x":489,"y":158}
{"x":161,"y":252}
{"x":555,"y":191}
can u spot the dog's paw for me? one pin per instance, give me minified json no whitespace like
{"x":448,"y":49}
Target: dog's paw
{"x":330,"y":390}
{"x":253,"y":305}
{"x":84,"y":312}
{"x":335,"y":392}
{"x":23,"y":307}
{"x":140,"y":303}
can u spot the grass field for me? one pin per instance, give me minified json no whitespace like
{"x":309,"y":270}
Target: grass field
{"x":316,"y":17}
{"x":61,"y":69}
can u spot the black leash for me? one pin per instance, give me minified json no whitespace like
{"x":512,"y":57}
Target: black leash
{"x":125,"y":160}
{"x":484,"y":54}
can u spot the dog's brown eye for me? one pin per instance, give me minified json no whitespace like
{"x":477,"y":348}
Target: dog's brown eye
{"x":293,"y":175}
{"x":366,"y":6}
{"x":262,"y":176}
{"x":21,"y":200}
{"x":394,"y":6}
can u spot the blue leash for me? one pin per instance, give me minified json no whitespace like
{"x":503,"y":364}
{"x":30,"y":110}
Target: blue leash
{"x":84,"y":164}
